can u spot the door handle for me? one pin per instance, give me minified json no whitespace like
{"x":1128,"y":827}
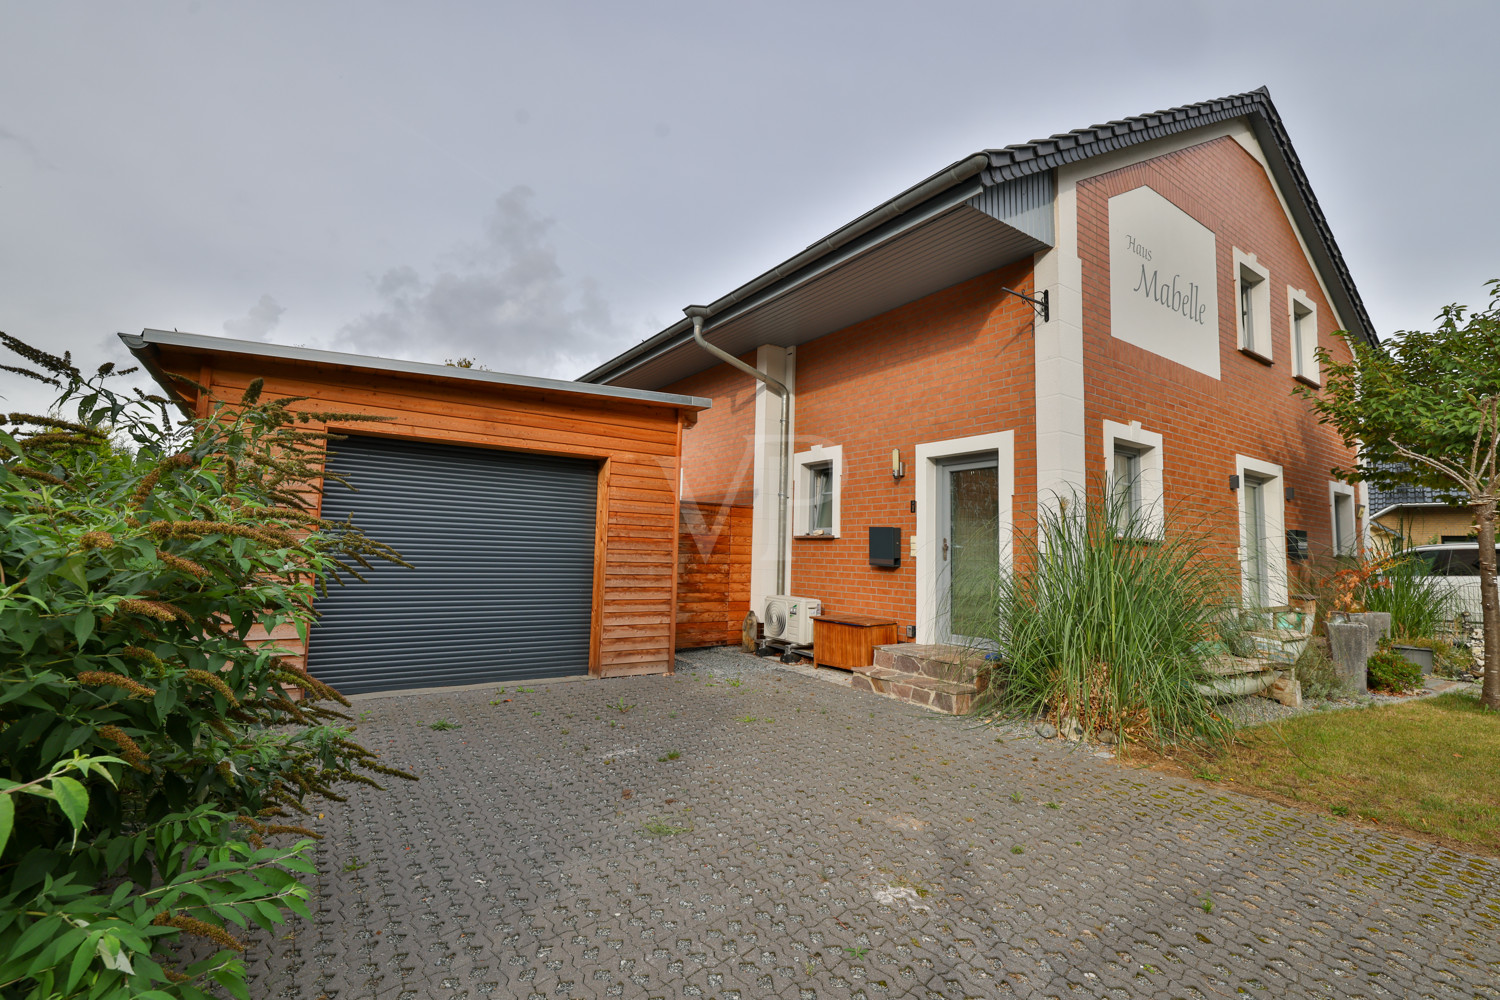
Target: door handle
{"x":945,"y":548}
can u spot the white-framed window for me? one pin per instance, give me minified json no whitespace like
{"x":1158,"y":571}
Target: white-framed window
{"x":818,"y":473}
{"x":1303,"y":318}
{"x":1262,"y":509}
{"x":1341,"y":513}
{"x":1133,"y":460}
{"x":1252,"y":284}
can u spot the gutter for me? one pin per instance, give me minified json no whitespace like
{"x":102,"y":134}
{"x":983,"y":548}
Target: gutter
{"x":697,"y":315}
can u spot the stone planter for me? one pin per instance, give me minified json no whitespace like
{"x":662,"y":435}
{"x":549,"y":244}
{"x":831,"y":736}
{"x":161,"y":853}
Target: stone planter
{"x":1350,"y":645}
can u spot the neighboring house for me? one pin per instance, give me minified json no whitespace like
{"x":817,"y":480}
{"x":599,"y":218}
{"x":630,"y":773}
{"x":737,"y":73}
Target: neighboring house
{"x":1403,"y":516}
{"x":1180,"y":276}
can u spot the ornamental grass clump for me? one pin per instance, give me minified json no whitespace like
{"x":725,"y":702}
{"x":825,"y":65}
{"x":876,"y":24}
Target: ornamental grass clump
{"x":1109,"y":621}
{"x":1420,"y":605}
{"x":152,"y":763}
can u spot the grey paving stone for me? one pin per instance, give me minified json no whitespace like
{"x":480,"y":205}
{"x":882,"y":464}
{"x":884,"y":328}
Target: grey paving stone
{"x":810,"y":841}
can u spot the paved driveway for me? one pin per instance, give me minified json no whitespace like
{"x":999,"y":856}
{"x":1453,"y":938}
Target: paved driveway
{"x":836,"y":845}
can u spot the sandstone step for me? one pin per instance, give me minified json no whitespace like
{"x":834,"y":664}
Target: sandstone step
{"x":943,"y":662}
{"x":951,"y":696}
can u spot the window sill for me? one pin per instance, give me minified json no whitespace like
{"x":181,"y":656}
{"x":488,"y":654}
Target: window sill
{"x":1250,"y":352}
{"x":826,"y":537}
{"x":1308,"y":381}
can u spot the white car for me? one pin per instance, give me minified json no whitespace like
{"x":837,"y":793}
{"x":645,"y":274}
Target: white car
{"x":1458,"y":563}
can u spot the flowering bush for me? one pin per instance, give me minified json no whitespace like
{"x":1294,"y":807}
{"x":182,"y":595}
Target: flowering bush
{"x":151,"y":759}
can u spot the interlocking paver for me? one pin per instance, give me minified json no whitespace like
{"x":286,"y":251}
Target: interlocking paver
{"x":813,"y":842}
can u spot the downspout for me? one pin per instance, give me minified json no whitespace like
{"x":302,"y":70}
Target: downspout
{"x":698,"y":314}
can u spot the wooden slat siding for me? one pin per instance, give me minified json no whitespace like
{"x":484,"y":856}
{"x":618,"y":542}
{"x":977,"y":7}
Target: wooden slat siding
{"x":451,"y":411}
{"x":636,"y":443}
{"x":713,"y":567}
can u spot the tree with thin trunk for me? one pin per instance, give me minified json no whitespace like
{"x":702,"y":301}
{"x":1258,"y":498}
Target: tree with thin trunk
{"x":1424,"y":410}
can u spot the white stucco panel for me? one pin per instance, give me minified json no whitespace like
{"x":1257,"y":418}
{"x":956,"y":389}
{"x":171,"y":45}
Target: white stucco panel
{"x":1163,"y":283}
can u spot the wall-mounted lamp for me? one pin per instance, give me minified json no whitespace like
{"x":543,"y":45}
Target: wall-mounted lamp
{"x":1234,"y":483}
{"x":898,"y":467}
{"x":1291,"y":495}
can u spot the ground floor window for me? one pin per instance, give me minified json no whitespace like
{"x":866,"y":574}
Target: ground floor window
{"x":817,"y":475}
{"x":1133,"y":463}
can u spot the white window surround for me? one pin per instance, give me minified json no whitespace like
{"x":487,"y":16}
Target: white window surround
{"x":924,"y":545}
{"x":1337,"y":489}
{"x":1275,"y":515}
{"x":1305,"y":363}
{"x":1149,"y":458}
{"x":1260,"y":306}
{"x":803,"y":463}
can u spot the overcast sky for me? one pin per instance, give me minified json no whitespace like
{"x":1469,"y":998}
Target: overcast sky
{"x":541,"y":185}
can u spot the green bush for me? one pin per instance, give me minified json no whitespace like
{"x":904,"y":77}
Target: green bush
{"x":1102,"y":625}
{"x":1391,"y":672}
{"x":1315,"y":671}
{"x":150,"y":758}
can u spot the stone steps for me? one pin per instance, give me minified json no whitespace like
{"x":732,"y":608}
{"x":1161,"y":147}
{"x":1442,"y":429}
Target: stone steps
{"x":942,"y":678}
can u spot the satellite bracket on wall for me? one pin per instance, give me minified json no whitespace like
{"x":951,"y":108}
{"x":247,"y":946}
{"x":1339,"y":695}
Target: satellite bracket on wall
{"x":1039,"y":304}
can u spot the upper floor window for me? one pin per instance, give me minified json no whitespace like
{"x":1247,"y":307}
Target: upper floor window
{"x":1304,"y":323}
{"x":1253,"y":315}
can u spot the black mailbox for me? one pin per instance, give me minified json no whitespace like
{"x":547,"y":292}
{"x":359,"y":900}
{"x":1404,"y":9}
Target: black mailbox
{"x":885,"y":547}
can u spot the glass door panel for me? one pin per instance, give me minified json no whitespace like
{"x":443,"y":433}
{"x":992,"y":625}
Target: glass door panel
{"x":1255,"y":544}
{"x":971,"y":547}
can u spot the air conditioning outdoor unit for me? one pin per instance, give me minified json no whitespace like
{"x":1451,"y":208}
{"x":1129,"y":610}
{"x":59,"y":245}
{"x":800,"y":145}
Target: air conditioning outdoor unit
{"x":790,"y":619}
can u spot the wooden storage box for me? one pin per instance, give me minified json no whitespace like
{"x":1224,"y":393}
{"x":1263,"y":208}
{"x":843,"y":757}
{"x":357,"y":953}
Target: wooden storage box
{"x":849,"y":641}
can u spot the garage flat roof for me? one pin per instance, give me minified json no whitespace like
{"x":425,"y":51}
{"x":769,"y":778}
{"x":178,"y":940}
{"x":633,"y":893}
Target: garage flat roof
{"x":145,"y":344}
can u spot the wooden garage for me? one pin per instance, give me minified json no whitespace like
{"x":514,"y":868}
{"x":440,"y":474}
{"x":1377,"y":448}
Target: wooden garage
{"x":540,"y":516}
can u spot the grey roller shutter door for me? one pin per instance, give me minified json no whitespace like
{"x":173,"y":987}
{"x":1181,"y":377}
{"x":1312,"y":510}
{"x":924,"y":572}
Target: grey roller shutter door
{"x":503,"y":549}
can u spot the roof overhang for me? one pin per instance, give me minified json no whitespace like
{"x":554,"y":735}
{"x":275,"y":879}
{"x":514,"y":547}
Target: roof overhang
{"x":154,"y":347}
{"x":961,"y":232}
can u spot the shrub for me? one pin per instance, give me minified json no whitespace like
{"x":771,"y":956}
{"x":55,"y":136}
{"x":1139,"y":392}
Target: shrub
{"x":151,"y":761}
{"x":1390,"y":671}
{"x":1315,"y":672}
{"x":1106,"y":627}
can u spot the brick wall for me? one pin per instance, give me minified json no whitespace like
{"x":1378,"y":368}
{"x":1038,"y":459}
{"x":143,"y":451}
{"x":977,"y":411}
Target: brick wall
{"x":1250,"y":410}
{"x":956,"y":363}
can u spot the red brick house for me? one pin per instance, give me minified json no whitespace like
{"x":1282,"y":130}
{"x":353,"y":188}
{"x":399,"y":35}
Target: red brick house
{"x":1131,"y":303}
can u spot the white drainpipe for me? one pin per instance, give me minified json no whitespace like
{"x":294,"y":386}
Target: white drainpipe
{"x":700,"y":313}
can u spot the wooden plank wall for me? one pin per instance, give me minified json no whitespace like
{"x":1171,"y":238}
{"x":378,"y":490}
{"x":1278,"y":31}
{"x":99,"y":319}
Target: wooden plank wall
{"x":636,"y":444}
{"x":713,"y":572}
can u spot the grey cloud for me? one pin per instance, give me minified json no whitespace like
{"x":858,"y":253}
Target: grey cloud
{"x":256,"y":324}
{"x":504,"y":301}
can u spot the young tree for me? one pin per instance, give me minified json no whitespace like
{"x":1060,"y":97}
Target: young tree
{"x":1425,"y":411}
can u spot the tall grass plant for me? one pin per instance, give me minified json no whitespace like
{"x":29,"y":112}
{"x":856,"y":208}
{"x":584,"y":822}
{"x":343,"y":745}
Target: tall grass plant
{"x":1110,"y":620}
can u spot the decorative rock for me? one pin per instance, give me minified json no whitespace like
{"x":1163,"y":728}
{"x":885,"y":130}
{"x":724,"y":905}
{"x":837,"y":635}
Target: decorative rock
{"x":1105,"y":736}
{"x":1046,"y":730}
{"x":1071,"y":730}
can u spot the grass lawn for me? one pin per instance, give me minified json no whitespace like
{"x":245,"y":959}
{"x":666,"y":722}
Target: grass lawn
{"x":1431,"y":767}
